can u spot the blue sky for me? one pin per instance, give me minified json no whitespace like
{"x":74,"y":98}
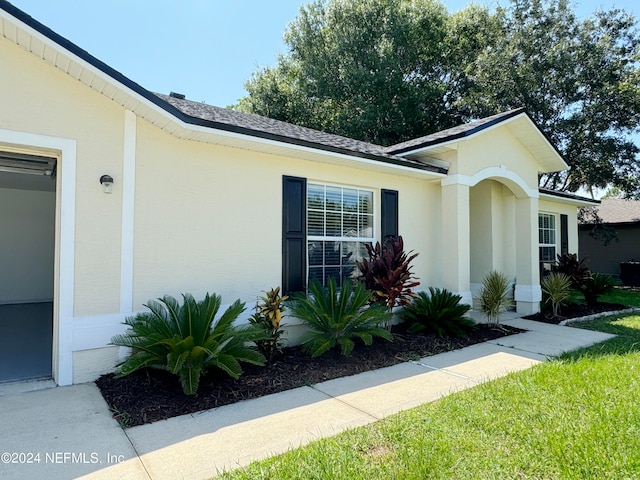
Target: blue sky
{"x":205,"y":49}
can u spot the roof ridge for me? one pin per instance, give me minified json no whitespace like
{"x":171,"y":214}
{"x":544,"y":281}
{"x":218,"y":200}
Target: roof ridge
{"x":459,"y":131}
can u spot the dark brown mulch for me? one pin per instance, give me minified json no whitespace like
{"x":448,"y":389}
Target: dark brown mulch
{"x":575,"y":310}
{"x":150,"y":395}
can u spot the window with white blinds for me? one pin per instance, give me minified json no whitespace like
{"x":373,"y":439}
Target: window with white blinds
{"x":547,"y":238}
{"x":340,"y":222}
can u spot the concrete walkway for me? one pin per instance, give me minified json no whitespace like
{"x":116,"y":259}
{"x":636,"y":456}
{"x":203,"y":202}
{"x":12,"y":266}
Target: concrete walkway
{"x":67,"y":432}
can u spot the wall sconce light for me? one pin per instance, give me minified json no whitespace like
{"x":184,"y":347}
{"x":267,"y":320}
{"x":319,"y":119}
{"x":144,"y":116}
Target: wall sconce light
{"x":107,"y":182}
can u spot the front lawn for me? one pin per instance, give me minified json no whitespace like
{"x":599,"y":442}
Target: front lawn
{"x":623,"y":295}
{"x":576,"y":417}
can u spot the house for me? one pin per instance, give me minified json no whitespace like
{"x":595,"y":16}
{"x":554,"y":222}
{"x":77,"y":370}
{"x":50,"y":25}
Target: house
{"x":111,"y":195}
{"x":623,"y":218}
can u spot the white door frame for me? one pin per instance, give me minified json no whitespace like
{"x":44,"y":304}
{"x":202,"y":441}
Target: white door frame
{"x":64,"y":150}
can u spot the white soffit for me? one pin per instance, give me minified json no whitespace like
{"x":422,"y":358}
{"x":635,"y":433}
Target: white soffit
{"x":44,"y":48}
{"x":521,"y":126}
{"x":574,"y":201}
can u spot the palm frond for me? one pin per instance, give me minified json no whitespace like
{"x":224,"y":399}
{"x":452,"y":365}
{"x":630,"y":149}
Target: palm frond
{"x":186,"y":340}
{"x":337,"y":317}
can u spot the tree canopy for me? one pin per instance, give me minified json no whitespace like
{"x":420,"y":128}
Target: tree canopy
{"x":386,"y":71}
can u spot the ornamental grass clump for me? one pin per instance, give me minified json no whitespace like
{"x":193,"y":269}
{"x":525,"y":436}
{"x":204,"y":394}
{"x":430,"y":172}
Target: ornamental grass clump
{"x":338,"y":317}
{"x":557,"y":290}
{"x":494,"y":296}
{"x":187,"y":339}
{"x":438,"y":312}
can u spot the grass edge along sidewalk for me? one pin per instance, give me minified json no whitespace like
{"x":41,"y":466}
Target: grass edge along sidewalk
{"x":574,"y":417}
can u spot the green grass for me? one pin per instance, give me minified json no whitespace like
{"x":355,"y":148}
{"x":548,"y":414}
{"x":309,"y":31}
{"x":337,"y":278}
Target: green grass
{"x":576,"y":417}
{"x":619,"y":295}
{"x":625,"y":297}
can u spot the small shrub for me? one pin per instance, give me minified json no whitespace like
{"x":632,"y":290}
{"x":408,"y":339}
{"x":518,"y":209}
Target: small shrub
{"x":494,"y":296}
{"x":576,"y":269}
{"x":187,"y":339}
{"x":599,"y":284}
{"x":440,"y":312}
{"x":557,"y":289}
{"x":337,"y":318}
{"x":387,"y":274}
{"x":267,"y":317}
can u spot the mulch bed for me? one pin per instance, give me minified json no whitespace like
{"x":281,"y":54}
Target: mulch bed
{"x":150,"y":395}
{"x":575,"y":310}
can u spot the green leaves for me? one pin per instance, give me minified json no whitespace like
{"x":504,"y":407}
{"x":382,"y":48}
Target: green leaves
{"x":335,"y":317}
{"x":387,"y":273}
{"x":557,"y":289}
{"x":267,"y":317}
{"x":438,"y":312}
{"x":187,"y":339}
{"x":385,"y":71}
{"x":494,"y":296}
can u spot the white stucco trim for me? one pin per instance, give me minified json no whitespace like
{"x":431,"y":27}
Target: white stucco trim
{"x":528,"y":293}
{"x":467,"y":297}
{"x":65,"y":150}
{"x":586,"y":202}
{"x":96,"y":331}
{"x":128,"y":212}
{"x":514,"y":181}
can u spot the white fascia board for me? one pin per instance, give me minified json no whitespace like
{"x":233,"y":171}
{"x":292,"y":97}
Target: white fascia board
{"x":463,"y":138}
{"x":365,"y":163}
{"x":569,"y":201}
{"x":452,"y":144}
{"x":141,"y":101}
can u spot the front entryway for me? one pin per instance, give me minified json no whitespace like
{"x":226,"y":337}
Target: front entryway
{"x":27,"y":245}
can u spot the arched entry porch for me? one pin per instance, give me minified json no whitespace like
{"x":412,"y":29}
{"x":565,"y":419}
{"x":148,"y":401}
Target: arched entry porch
{"x":490,"y":222}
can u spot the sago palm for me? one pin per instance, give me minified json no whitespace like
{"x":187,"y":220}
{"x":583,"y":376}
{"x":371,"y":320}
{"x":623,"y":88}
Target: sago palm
{"x":187,"y":339}
{"x":338,"y":317}
{"x":438,"y":312}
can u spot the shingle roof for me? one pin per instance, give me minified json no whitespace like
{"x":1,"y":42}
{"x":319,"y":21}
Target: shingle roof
{"x":264,"y":127}
{"x":208,"y":116}
{"x":219,"y":118}
{"x":617,"y":210}
{"x":453,"y":133}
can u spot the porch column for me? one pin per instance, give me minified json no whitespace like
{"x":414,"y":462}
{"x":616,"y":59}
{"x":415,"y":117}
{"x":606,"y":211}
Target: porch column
{"x":456,"y":255}
{"x":528,"y":293}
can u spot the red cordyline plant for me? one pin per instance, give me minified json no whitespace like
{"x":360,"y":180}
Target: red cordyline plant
{"x":387,"y":273}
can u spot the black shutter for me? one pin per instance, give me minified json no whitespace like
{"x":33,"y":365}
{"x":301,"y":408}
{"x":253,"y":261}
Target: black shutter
{"x":564,"y":234}
{"x":294,"y":234}
{"x":389,"y":210}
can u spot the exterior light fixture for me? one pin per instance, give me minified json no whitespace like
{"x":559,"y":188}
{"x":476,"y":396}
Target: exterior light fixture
{"x":107,"y":182}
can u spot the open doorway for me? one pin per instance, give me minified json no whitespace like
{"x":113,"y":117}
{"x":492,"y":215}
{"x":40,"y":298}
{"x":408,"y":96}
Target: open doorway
{"x":27,"y":246}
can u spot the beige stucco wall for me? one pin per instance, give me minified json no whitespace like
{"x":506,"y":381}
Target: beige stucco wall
{"x":45,"y":101}
{"x":496,"y":147}
{"x":209,"y":218}
{"x":559,"y":207}
{"x":492,"y":230}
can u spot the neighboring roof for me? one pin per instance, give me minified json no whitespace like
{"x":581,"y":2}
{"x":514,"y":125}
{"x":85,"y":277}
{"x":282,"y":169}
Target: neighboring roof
{"x":618,"y":210}
{"x":454,"y":133}
{"x":569,"y":197}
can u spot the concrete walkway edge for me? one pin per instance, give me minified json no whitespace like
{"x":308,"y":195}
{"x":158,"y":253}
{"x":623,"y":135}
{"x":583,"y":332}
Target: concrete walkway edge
{"x":71,"y":430}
